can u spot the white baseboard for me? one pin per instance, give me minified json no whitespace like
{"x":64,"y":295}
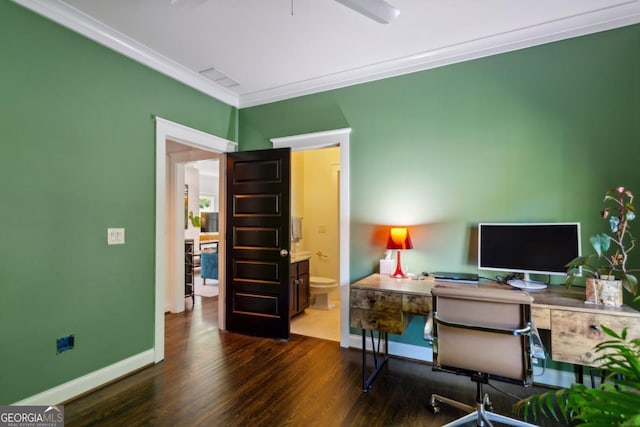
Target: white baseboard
{"x":88,"y":382}
{"x":550,"y":377}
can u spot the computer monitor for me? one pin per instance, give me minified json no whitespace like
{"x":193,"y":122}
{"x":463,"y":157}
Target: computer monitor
{"x":539,"y":248}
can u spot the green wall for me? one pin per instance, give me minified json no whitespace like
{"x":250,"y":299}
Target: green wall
{"x":533,"y":135}
{"x":77,"y":156}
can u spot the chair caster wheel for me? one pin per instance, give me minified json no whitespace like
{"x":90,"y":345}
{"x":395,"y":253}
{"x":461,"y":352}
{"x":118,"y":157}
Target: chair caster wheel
{"x":435,"y":409}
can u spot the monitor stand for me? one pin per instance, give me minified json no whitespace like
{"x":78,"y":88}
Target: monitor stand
{"x":527,"y":283}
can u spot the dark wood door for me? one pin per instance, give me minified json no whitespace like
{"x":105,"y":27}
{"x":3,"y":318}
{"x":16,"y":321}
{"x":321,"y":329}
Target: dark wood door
{"x":258,"y":211}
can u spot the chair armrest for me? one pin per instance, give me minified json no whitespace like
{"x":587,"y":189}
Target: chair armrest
{"x":428,"y":328}
{"x":537,"y":348}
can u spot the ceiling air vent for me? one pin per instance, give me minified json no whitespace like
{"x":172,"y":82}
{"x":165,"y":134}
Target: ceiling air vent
{"x":219,"y":77}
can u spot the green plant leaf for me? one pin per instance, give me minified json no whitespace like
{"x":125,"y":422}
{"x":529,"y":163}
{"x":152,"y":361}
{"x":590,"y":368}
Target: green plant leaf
{"x":630,"y":283}
{"x":609,"y":197}
{"x":195,"y":220}
{"x":600,"y":243}
{"x":612,"y":333}
{"x":578,"y":261}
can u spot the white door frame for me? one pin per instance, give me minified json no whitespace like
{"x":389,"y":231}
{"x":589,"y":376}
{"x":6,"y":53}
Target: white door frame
{"x":169,"y":255}
{"x":332,"y":138}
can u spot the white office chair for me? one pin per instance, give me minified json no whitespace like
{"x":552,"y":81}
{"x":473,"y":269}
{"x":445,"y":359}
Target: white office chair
{"x":484,"y":333}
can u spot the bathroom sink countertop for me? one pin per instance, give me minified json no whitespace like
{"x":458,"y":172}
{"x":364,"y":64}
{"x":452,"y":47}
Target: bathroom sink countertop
{"x":300,"y":256}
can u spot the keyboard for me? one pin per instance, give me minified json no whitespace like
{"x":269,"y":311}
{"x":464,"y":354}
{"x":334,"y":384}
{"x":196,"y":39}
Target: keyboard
{"x":457,"y":277}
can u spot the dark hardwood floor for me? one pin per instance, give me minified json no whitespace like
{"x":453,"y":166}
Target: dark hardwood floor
{"x":213,"y":378}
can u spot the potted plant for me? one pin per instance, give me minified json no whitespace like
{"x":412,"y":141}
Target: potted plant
{"x":611,"y":253}
{"x":616,"y":402}
{"x":195,"y":220}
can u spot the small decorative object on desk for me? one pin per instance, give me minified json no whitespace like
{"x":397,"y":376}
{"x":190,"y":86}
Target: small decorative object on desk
{"x":387,"y":266}
{"x":605,"y":290}
{"x":607,"y":272}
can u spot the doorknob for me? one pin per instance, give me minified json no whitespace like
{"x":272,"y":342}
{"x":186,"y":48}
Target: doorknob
{"x":284,"y":252}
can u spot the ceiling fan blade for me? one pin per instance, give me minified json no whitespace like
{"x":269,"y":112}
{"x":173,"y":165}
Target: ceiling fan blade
{"x":378,"y":10}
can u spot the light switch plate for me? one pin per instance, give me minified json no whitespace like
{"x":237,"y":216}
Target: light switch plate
{"x":115,"y":236}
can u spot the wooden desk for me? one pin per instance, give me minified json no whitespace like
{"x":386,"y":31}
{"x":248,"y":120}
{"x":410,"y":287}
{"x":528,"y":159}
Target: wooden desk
{"x":575,"y":326}
{"x":381,"y":303}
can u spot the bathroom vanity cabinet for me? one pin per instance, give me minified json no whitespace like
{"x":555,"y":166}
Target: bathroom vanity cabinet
{"x":298,"y":287}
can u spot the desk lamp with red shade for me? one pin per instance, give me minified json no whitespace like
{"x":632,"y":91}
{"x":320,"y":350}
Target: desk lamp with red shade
{"x":399,"y":239}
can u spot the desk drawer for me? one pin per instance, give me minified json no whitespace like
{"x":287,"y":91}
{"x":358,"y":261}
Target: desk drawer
{"x":393,"y":323}
{"x":382,"y":301}
{"x":541,"y":317}
{"x":417,"y":304}
{"x":575,"y":334}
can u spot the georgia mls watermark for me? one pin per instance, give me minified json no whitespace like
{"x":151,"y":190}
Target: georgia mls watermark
{"x":32,"y":416}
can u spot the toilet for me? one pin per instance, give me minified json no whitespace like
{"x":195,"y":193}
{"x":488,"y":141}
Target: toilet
{"x":320,"y":288}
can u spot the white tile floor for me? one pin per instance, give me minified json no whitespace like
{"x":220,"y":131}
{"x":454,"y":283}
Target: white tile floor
{"x":316,"y":323}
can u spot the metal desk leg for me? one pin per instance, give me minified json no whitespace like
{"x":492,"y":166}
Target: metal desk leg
{"x":379,"y":359}
{"x":579,"y":371}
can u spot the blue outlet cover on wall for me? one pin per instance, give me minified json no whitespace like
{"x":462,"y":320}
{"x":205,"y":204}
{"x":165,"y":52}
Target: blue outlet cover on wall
{"x":65,"y":343}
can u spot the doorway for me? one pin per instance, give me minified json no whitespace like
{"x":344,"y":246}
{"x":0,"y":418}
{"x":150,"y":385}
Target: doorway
{"x":333,"y":138}
{"x":167,"y":260}
{"x":176,"y":145}
{"x":202,"y":201}
{"x":316,"y":205}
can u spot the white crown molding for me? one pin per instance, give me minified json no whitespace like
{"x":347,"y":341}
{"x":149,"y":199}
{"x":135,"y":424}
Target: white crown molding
{"x":79,"y":22}
{"x":619,"y":15}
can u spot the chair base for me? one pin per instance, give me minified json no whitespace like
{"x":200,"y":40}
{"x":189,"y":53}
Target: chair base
{"x":436,"y":398}
{"x":481,"y":413}
{"x":484,"y":418}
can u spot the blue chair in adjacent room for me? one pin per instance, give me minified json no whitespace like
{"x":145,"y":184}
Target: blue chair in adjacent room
{"x":208,"y":266}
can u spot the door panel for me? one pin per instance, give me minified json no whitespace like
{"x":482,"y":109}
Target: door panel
{"x":258,"y":242}
{"x":266,"y":272}
{"x":257,"y":204}
{"x":260,"y":171}
{"x":256,"y":305}
{"x":258,"y":238}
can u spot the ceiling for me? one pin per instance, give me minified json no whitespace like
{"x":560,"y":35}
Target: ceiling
{"x":277,"y":49}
